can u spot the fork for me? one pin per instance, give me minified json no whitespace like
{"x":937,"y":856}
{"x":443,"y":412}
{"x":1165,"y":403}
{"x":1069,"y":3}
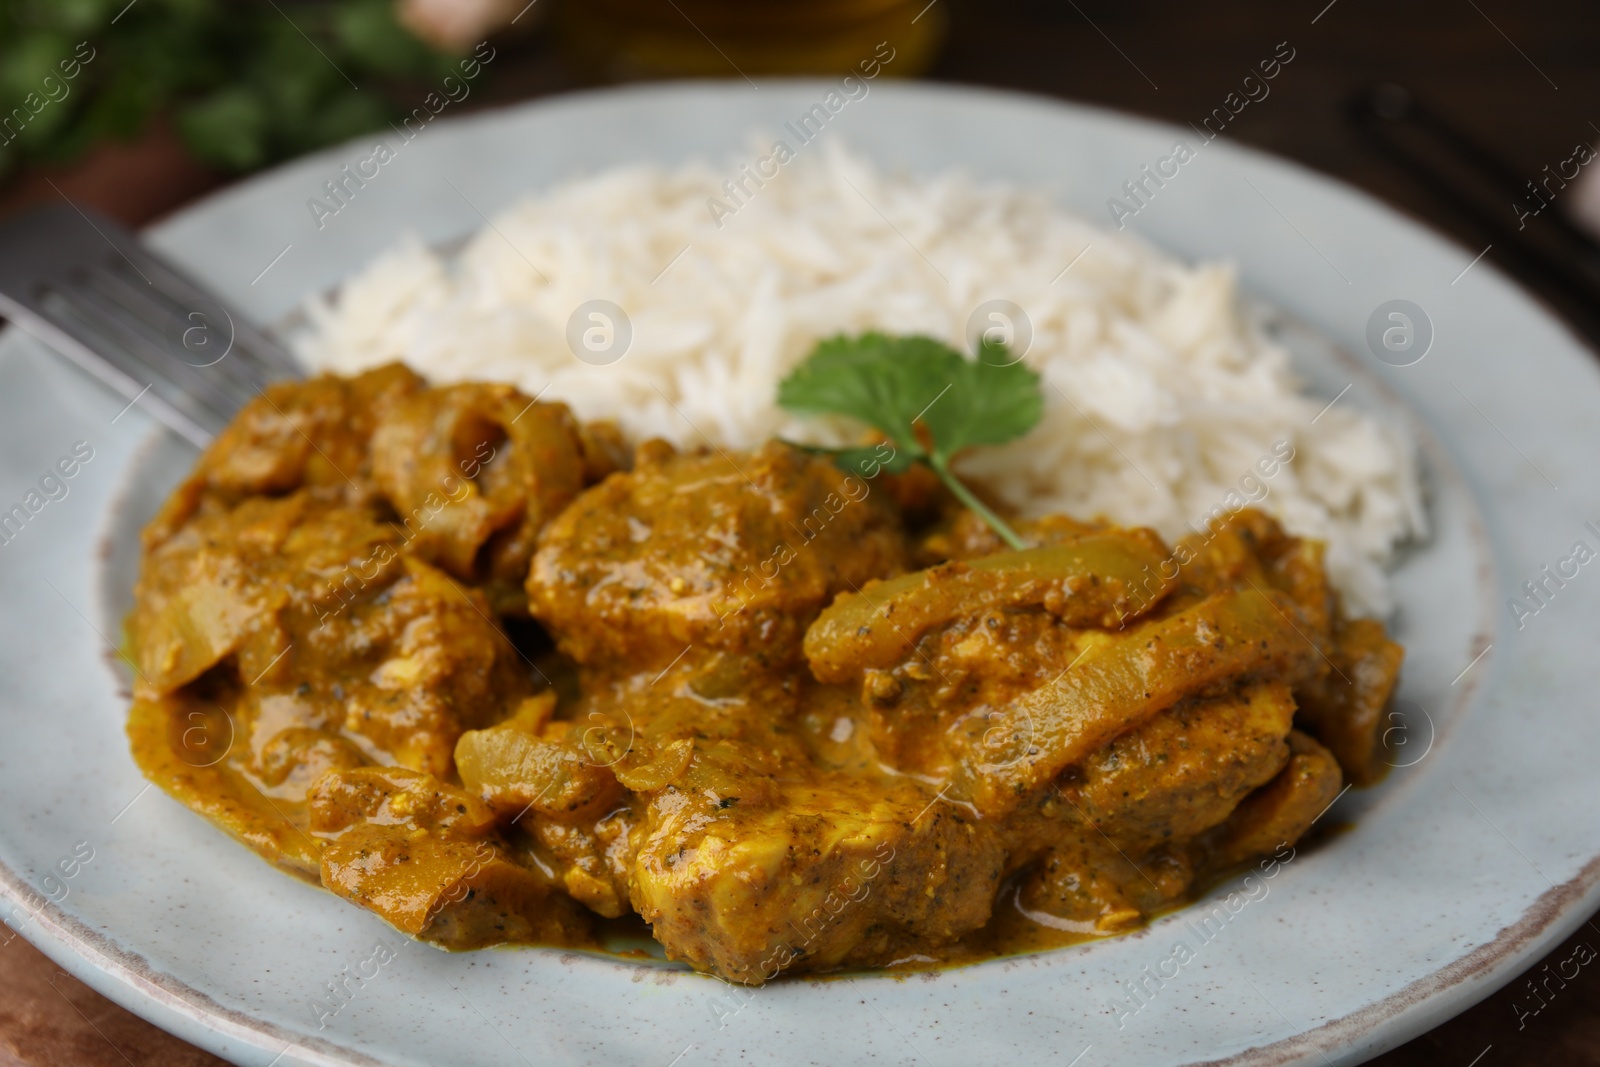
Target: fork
{"x":90,"y":290}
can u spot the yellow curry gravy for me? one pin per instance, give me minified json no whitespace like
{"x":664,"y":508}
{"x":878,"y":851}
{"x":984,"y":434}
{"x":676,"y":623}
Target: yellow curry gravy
{"x":794,"y":718}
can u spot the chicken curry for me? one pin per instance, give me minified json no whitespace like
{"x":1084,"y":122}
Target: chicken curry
{"x":467,"y":662}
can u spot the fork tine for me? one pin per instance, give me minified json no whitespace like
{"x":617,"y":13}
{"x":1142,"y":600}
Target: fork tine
{"x":86,"y":355}
{"x":166,"y":326}
{"x":98,"y":313}
{"x":87,"y":288}
{"x":279,"y":363}
{"x":71,"y":326}
{"x":261,"y":360}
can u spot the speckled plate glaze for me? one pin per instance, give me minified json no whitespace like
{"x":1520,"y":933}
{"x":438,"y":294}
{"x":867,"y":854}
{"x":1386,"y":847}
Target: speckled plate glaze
{"x":1478,"y":852}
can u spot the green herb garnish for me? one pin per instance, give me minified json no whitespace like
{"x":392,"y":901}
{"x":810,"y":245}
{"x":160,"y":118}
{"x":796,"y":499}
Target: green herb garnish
{"x":244,"y":84}
{"x":895,"y":384}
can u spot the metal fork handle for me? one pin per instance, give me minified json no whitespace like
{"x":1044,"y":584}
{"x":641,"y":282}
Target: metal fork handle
{"x":89,"y":289}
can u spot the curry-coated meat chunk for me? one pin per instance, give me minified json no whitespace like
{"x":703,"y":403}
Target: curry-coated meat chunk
{"x":425,"y":855}
{"x":474,"y":472}
{"x":810,"y":876}
{"x":1345,"y":708}
{"x":1185,"y":770}
{"x":295,"y":435}
{"x":737,"y":551}
{"x":411,"y":670}
{"x":1280,"y":812}
{"x":233,"y":580}
{"x":336,"y":636}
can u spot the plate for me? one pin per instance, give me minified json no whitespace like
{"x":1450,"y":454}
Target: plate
{"x":1468,"y":862}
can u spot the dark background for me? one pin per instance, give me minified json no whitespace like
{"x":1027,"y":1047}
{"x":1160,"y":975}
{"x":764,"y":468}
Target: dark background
{"x":1521,"y":78}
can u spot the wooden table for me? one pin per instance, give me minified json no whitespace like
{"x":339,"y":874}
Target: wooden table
{"x":1522,"y":78}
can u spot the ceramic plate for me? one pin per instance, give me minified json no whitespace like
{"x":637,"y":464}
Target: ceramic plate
{"x":1476,"y":854}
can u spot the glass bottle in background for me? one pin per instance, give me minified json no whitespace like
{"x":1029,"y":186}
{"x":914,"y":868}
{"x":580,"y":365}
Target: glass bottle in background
{"x":625,"y":40}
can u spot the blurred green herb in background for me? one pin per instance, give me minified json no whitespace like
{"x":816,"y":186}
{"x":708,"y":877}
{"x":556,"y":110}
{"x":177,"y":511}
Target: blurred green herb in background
{"x":242,"y":80}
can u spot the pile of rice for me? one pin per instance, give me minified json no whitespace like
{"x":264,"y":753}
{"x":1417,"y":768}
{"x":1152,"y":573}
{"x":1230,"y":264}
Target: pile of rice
{"x":1161,"y":396}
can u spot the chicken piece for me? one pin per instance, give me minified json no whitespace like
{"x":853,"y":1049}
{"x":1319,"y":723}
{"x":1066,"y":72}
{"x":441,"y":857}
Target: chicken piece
{"x":592,"y":857}
{"x":404,"y":674}
{"x":790,"y":876}
{"x":736,"y":552}
{"x":965,"y":677}
{"x":631,"y":720}
{"x":475,"y":472}
{"x":424,"y":855}
{"x":1344,"y":708}
{"x":714,"y":723}
{"x":310,"y":434}
{"x":576,"y":784}
{"x":1107,"y":846}
{"x":337,"y":637}
{"x":1185,"y":770}
{"x":226,"y":580}
{"x":1279,"y":814}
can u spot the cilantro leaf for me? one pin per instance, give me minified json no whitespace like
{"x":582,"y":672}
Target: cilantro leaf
{"x":896,"y":383}
{"x":866,"y":460}
{"x":873,"y":458}
{"x":991,"y":401}
{"x":884,"y":381}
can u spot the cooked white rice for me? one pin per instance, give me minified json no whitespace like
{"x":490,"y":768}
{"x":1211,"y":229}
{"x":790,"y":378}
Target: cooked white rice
{"x":1160,"y":395}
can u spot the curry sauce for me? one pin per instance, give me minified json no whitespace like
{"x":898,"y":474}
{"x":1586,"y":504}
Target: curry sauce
{"x":793,"y":717}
